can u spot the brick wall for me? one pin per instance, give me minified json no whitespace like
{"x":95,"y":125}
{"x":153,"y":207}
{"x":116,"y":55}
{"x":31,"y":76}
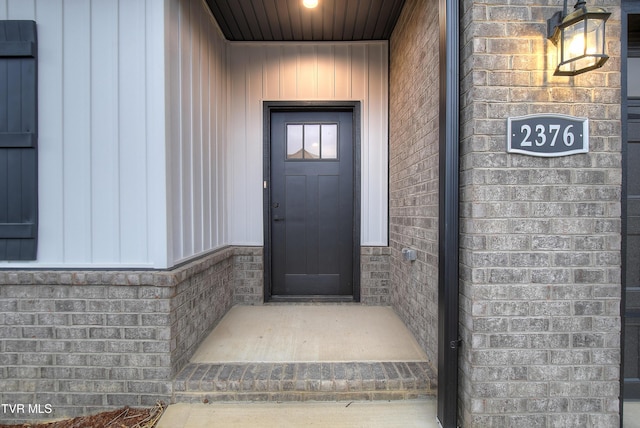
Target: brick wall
{"x":540,"y":244}
{"x":413,"y":167}
{"x":203,"y":293}
{"x":83,"y":341}
{"x":375,"y":276}
{"x":248,"y":275}
{"x":80,"y":341}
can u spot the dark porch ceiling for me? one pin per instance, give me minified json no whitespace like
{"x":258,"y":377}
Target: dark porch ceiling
{"x":288,"y":20}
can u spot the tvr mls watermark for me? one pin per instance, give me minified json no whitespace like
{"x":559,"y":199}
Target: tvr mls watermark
{"x":26,"y":409}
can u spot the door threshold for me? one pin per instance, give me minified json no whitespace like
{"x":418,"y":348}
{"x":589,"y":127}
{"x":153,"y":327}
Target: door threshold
{"x":311,"y":299}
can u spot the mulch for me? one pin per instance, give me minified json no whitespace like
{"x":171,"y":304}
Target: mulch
{"x":125,"y":417}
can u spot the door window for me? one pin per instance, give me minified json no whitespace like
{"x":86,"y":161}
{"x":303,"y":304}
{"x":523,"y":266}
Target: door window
{"x":312,"y":141}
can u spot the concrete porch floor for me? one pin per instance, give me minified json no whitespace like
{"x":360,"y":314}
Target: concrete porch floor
{"x":307,"y":333}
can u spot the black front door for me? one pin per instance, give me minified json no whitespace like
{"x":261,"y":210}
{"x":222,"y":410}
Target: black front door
{"x":311,"y":212}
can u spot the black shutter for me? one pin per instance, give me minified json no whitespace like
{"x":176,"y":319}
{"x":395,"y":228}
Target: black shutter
{"x":18,"y":140}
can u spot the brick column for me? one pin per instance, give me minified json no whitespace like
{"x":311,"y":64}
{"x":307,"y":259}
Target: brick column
{"x":540,"y":244}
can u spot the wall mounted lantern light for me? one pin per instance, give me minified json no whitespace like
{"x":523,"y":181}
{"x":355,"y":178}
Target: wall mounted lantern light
{"x":579,"y":37}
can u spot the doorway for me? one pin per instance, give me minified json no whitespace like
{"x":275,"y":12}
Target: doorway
{"x":311,"y":202}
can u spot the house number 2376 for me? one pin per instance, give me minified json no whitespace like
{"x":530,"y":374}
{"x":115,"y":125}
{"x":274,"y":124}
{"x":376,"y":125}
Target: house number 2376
{"x":547,"y":135}
{"x":568,"y":138}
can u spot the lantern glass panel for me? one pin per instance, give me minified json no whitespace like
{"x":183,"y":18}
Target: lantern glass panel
{"x":582,"y":45}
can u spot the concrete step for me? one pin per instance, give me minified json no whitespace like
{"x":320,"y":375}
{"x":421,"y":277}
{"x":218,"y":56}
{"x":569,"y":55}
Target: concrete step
{"x":296,"y":381}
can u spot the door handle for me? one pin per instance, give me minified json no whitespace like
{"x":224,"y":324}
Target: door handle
{"x":276,"y":218}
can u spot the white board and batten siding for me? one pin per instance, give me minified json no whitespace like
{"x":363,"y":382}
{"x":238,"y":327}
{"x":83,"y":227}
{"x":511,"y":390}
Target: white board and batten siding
{"x":150,"y":129}
{"x":305,"y":72}
{"x":197,"y":98}
{"x":102,"y":198}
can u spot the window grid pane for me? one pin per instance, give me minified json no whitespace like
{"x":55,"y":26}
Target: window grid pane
{"x":294,"y":141}
{"x":329,"y":141}
{"x":311,"y":141}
